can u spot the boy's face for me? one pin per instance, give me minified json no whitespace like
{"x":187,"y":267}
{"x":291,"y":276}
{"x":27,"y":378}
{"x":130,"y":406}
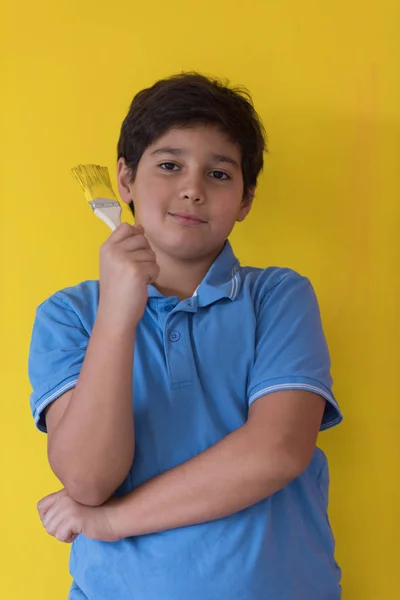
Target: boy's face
{"x":188,"y":192}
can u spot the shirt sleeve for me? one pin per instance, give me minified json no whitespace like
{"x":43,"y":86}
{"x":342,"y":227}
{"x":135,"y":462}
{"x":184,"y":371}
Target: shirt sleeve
{"x":57,"y":350}
{"x":291,"y":350}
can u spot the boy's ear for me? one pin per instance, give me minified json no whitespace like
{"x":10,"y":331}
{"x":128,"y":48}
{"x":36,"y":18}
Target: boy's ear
{"x":247,"y":203}
{"x":124,"y":181}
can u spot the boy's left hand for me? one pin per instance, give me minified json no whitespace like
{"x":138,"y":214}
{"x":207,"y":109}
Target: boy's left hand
{"x":65,"y":519}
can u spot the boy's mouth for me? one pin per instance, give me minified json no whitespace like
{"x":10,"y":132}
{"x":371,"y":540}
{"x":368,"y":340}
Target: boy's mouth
{"x":187,"y":219}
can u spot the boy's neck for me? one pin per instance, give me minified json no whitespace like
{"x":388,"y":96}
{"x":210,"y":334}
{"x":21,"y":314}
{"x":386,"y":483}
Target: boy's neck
{"x":181,"y":278}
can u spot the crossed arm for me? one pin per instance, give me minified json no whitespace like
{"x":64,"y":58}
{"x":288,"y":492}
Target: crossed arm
{"x":271,"y":449}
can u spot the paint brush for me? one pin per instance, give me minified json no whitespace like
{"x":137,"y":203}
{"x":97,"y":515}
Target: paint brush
{"x":95,"y":182}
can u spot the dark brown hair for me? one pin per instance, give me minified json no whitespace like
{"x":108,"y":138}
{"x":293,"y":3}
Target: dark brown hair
{"x":190,"y":99}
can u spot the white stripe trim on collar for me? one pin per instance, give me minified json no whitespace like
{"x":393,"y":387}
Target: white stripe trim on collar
{"x":235,"y":283}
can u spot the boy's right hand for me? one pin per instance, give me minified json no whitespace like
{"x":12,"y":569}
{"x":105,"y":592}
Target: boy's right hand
{"x":127,"y":266}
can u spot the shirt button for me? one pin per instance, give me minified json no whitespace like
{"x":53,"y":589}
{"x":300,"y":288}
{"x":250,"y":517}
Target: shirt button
{"x":174,"y":336}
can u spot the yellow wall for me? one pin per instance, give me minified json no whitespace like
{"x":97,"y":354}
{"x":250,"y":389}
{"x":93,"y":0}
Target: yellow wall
{"x":323,"y":76}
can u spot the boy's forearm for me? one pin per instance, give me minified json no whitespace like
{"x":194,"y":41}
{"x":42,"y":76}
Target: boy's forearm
{"x":237,"y":472}
{"x":92,"y":448}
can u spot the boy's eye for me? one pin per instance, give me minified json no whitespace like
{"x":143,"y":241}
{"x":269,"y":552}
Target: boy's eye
{"x":168,"y":166}
{"x":219,"y":175}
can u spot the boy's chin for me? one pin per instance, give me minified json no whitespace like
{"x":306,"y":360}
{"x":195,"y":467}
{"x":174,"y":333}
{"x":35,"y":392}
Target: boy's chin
{"x":191,"y":250}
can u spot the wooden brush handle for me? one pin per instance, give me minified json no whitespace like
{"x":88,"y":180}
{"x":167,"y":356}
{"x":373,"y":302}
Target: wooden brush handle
{"x":110,"y":215}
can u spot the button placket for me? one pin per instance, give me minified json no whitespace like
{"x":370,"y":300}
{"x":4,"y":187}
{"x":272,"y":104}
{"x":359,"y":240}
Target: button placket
{"x":178,"y":350}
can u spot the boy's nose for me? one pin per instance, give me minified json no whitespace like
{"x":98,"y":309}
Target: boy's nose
{"x":193,"y":190}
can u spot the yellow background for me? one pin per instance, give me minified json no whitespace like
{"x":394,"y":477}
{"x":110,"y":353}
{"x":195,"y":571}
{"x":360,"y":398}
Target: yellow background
{"x":325,"y":79}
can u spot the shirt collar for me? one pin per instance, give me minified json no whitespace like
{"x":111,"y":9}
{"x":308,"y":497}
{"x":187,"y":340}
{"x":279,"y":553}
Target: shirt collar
{"x":221,"y":281}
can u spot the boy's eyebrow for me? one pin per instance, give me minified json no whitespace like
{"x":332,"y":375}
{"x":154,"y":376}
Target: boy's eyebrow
{"x":169,"y":150}
{"x":221,"y":158}
{"x":218,"y":158}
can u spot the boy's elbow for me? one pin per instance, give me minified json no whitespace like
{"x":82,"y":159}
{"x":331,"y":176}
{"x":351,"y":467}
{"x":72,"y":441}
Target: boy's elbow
{"x":292,"y":465}
{"x":287,"y":467}
{"x":88,"y":495}
{"x":90,"y":489}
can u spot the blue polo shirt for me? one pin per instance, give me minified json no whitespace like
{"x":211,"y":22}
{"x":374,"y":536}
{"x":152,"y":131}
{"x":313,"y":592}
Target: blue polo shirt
{"x":199,"y":365}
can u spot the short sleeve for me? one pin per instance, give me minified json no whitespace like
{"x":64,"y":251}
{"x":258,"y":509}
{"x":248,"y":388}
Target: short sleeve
{"x":291,"y":350}
{"x":57,"y":350}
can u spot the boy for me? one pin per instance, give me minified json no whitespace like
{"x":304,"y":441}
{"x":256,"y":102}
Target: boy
{"x":183,"y":394}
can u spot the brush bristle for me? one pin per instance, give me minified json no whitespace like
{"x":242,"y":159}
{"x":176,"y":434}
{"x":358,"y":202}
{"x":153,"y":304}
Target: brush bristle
{"x":95,"y":181}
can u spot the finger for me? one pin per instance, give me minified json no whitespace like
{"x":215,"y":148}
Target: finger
{"x":146,"y":270}
{"x":141,"y":256}
{"x":133,"y":243}
{"x":53,"y":523}
{"x":152,"y":271}
{"x":45,"y":503}
{"x":58,"y":508}
{"x":125,"y":230}
{"x":48,"y":517}
{"x":65,"y":533}
{"x":130,"y":242}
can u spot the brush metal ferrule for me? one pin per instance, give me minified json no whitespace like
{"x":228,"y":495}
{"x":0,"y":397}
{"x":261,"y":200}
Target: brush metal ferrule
{"x":103,"y":203}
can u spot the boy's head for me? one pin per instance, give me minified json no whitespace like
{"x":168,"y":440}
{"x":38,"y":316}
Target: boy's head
{"x":175,"y":141}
